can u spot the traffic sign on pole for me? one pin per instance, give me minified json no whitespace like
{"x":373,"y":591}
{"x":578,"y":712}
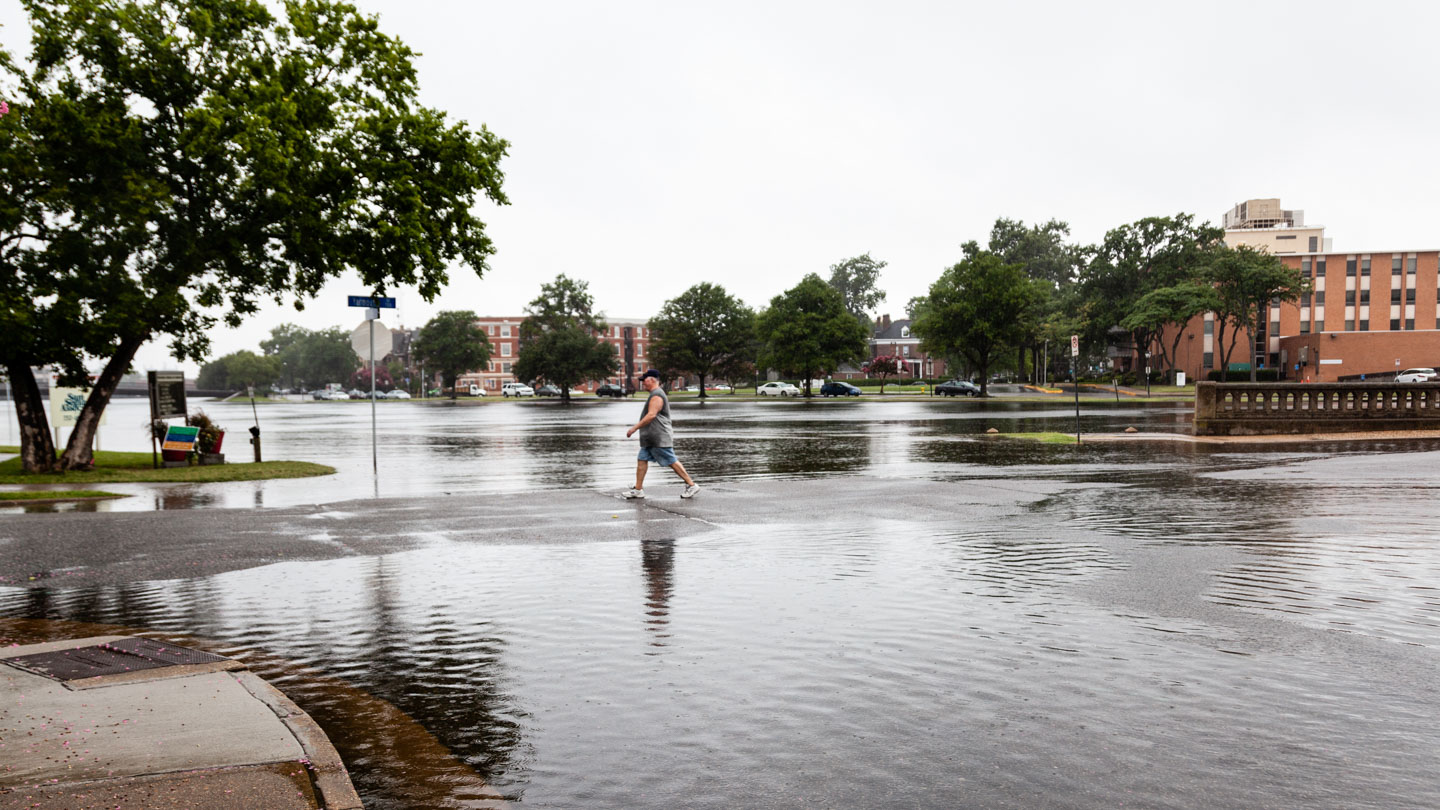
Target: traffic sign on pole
{"x":1074,"y":345}
{"x":360,"y":340}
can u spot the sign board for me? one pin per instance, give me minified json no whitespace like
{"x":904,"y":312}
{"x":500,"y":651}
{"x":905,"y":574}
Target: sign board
{"x":370,"y":302}
{"x":360,"y":340}
{"x":65,"y":405}
{"x":1074,"y":345}
{"x":1180,"y":378}
{"x":167,"y":393}
{"x":1332,"y":362}
{"x":181,"y":437}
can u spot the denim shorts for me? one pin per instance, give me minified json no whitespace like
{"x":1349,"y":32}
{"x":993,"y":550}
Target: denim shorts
{"x":664,"y":456}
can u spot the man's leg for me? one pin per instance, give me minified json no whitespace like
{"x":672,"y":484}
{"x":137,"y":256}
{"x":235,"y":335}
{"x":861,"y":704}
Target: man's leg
{"x":640,"y":468}
{"x":680,"y":471}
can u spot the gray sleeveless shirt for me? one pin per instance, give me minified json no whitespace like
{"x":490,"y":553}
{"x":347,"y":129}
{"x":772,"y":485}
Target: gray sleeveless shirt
{"x":657,"y":433}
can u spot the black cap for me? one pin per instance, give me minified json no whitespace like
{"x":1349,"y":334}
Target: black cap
{"x":651,"y":373}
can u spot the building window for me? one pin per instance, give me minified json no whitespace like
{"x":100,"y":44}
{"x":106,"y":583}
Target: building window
{"x":1319,"y":298}
{"x":490,"y":330}
{"x":505,"y":331}
{"x":1365,"y":326}
{"x":1410,"y":265}
{"x":1349,"y":326}
{"x":1320,"y":267}
{"x":1394,"y":264}
{"x":1349,"y":298}
{"x":1364,"y":267}
{"x":1314,"y":243}
{"x":906,"y":351}
{"x":1209,"y":327}
{"x":505,"y":368}
{"x":1304,"y":327}
{"x":1349,"y":267}
{"x":1208,"y":361}
{"x":1305,"y":267}
{"x":640,"y":350}
{"x":1410,"y":296}
{"x":505,"y":350}
{"x":1394,"y":324}
{"x":1395,"y":295}
{"x":1285,"y":236}
{"x":491,"y":383}
{"x":1274,"y":328}
{"x":1305,"y":299}
{"x":1364,"y":297}
{"x":1410,"y":324}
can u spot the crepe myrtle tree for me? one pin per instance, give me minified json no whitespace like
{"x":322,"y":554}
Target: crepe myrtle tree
{"x":883,"y":366}
{"x":173,"y":164}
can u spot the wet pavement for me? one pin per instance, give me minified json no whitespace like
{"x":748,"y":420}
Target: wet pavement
{"x":868,"y":605}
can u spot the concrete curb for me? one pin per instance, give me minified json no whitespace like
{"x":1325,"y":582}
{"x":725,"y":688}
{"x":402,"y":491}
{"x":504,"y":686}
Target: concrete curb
{"x":209,"y":735}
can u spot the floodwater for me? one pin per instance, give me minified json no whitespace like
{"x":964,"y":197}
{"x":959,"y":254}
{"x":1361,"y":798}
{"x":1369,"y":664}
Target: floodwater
{"x":1147,"y":625}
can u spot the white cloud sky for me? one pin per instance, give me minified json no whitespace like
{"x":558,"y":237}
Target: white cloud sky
{"x":658,"y":145}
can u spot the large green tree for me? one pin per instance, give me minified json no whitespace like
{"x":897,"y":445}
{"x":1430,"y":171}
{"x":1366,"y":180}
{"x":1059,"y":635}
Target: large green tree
{"x":237,"y":370}
{"x":184,"y":160}
{"x":1136,"y":259}
{"x":1167,"y":311}
{"x":310,"y":359}
{"x":702,"y":331}
{"x":807,"y":330}
{"x":452,"y":343}
{"x":858,"y":280}
{"x":977,"y":309}
{"x":1045,"y":254}
{"x":559,"y":340}
{"x":1246,"y":282}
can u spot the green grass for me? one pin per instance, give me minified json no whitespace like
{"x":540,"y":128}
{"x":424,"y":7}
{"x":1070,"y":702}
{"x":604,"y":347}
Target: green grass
{"x":1043,"y":438}
{"x":57,"y":495}
{"x":116,"y":467}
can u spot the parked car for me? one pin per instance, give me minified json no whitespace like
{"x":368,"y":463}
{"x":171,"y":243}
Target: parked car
{"x":694,"y":389}
{"x":397,"y":394}
{"x":474,"y":390}
{"x":958,"y":388}
{"x":547,"y":390}
{"x":1417,"y":375}
{"x":356,"y":393}
{"x":777,"y":389}
{"x":721,"y":387}
{"x":516,"y":389}
{"x":839,"y":389}
{"x":610,"y":390}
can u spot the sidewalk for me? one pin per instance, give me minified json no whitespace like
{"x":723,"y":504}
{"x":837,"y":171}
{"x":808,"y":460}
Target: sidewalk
{"x":124,"y":722}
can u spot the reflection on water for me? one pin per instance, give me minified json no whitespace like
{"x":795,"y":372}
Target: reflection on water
{"x":1131,"y":625}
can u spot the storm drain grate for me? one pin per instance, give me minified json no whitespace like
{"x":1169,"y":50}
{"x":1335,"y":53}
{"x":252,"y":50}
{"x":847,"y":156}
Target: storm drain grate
{"x":125,"y":655}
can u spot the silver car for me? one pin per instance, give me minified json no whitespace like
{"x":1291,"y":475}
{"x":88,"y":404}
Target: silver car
{"x":1417,"y":375}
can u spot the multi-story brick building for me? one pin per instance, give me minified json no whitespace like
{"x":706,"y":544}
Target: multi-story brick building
{"x":631,"y":339}
{"x":895,"y":338}
{"x":1367,"y":313}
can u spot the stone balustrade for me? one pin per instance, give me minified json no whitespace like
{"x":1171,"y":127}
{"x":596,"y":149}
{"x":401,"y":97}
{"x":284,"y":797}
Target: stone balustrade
{"x":1251,"y":409}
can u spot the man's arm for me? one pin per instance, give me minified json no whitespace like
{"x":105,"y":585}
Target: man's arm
{"x":651,"y":411}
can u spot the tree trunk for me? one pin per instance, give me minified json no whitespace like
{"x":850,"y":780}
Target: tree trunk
{"x":702,"y":386}
{"x":80,"y":452}
{"x":37,"y":449}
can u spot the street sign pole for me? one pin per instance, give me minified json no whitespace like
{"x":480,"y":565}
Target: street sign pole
{"x":374,"y":453}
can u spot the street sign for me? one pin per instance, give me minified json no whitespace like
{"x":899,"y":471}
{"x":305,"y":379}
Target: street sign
{"x":167,"y":393}
{"x":360,"y":340}
{"x":1074,"y":345}
{"x":65,"y":406}
{"x":371,"y":302}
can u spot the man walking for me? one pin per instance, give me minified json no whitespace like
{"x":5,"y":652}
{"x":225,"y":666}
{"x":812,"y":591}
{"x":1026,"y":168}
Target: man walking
{"x":657,"y":443}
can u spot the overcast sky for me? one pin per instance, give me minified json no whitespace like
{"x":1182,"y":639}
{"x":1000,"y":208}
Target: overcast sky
{"x":658,"y":145}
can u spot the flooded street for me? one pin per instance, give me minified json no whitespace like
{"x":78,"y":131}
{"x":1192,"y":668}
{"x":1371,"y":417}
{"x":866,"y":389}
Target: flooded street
{"x":869,"y":605}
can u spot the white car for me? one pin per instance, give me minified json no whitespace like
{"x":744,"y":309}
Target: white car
{"x":477,"y":391}
{"x":1417,"y":375}
{"x":515,"y":389}
{"x":777,"y":389}
{"x":720,"y":387}
{"x":397,"y":394}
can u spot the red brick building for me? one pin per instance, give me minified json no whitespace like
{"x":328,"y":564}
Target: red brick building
{"x":1369,"y":313}
{"x":631,"y":339}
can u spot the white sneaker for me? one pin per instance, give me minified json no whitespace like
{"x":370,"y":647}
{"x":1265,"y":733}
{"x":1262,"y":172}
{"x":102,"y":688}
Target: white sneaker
{"x":632,"y":494}
{"x":690,"y":491}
